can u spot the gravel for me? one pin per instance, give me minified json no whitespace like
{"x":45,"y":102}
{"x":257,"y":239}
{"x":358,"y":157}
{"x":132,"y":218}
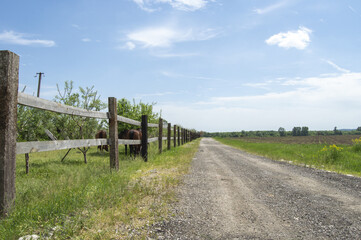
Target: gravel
{"x":230,"y":194}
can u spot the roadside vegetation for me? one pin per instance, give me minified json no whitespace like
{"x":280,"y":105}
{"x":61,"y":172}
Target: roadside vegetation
{"x":73,"y":200}
{"x":328,"y":154}
{"x":80,"y":197}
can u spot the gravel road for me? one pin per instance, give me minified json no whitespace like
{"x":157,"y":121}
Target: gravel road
{"x":230,"y":194}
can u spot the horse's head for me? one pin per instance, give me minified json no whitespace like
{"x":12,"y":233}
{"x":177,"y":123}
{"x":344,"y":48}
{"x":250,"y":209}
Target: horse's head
{"x":123,"y":134}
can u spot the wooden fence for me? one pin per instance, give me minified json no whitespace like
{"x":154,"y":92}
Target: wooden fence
{"x":10,"y":98}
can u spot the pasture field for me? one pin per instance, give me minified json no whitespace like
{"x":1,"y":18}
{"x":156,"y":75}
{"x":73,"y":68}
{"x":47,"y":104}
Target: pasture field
{"x":73,"y":200}
{"x":333,"y":153}
{"x":331,"y":139}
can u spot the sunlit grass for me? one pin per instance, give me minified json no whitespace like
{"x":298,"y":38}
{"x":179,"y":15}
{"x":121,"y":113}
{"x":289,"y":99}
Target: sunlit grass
{"x":347,"y":161}
{"x":71,"y":199}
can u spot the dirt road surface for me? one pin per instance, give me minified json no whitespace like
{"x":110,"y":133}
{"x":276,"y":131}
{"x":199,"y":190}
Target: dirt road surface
{"x":230,"y":194}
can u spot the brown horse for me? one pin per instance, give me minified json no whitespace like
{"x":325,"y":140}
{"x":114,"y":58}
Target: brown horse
{"x":102,"y":134}
{"x":132,"y":134}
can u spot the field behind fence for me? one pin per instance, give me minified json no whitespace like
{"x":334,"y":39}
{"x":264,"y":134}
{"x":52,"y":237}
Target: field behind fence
{"x":10,"y":98}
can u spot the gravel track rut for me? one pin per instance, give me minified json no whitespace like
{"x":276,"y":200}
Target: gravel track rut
{"x":230,"y":194}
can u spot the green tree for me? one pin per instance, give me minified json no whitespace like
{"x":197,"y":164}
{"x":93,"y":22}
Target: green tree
{"x":296,"y":131}
{"x":32,"y":122}
{"x":135,"y":111}
{"x":304,"y":131}
{"x":282,"y":131}
{"x":336,"y":132}
{"x":75,"y":127}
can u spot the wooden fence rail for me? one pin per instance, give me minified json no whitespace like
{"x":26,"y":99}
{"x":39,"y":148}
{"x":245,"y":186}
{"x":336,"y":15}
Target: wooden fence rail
{"x":10,"y":98}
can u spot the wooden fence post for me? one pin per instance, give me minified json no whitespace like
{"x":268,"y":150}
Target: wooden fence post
{"x":9,"y":82}
{"x":178,"y":137}
{"x":113,"y":133}
{"x":26,"y":163}
{"x":169,"y":136}
{"x":182,"y":136}
{"x":160,"y":136}
{"x":175,"y":135}
{"x":145,"y":137}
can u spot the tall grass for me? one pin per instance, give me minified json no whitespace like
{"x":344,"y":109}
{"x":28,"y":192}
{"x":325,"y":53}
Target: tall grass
{"x":71,"y":199}
{"x":342,"y":158}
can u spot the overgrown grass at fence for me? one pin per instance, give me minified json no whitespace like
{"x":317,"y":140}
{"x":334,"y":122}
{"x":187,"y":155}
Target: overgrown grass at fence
{"x":71,"y":199}
{"x":342,"y":158}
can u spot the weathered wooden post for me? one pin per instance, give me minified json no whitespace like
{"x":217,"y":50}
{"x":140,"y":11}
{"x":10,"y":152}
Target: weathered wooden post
{"x":178,"y":137}
{"x":175,"y":135}
{"x":113,"y":133}
{"x":182,"y":136}
{"x":26,"y":163}
{"x":169,"y":136}
{"x":145,"y":137}
{"x":160,"y":135}
{"x":9,"y":82}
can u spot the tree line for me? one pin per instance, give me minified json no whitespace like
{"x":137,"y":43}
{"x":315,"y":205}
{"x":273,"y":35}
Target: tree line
{"x":296,"y":131}
{"x":32,"y":123}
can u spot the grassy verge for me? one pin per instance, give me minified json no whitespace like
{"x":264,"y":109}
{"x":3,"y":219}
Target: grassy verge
{"x":74,"y":200}
{"x":342,"y":158}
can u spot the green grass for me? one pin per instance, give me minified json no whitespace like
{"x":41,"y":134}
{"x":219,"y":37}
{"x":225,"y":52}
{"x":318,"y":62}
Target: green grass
{"x":346,"y":160}
{"x":88,"y":201}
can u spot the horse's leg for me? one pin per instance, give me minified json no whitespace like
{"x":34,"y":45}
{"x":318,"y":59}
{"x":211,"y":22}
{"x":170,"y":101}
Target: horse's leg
{"x":126,"y":150}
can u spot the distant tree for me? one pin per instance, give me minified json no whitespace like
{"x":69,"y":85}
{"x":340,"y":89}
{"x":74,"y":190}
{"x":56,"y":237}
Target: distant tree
{"x":296,"y":131}
{"x":282,"y":131}
{"x":336,"y":132}
{"x":243,"y":133}
{"x":304,"y":131}
{"x":358,"y":129}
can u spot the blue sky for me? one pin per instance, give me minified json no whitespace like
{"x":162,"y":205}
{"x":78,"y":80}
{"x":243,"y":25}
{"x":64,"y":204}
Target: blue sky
{"x":213,"y":65}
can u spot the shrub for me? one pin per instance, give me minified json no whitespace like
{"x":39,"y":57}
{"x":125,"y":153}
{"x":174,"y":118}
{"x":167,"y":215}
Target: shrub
{"x":356,"y":144}
{"x":331,"y":153}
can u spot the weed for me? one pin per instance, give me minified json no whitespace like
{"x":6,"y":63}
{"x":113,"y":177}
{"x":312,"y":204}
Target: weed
{"x":334,"y":158}
{"x":331,"y":154}
{"x":356,"y":144}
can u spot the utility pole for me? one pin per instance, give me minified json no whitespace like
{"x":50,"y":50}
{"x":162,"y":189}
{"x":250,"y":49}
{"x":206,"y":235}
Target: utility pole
{"x":39,"y":73}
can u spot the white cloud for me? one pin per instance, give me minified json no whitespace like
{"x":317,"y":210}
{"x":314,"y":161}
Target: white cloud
{"x":76,"y":26}
{"x":130,"y":45}
{"x":270,"y":8}
{"x":299,"y":39}
{"x":157,"y":37}
{"x":184,"y":5}
{"x":188,"y":5}
{"x":86,"y":40}
{"x":354,"y":10}
{"x":19,"y":39}
{"x":164,"y":37}
{"x":320,"y":102}
{"x":327,"y":91}
{"x":337,"y":67}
